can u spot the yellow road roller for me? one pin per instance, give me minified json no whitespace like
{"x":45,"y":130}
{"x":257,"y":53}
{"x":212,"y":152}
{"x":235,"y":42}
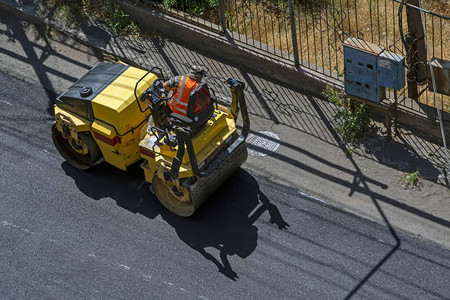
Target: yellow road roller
{"x":120,"y":114}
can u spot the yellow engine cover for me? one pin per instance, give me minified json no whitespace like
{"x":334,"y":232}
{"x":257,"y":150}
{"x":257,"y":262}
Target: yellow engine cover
{"x":105,"y":98}
{"x":119,"y":118}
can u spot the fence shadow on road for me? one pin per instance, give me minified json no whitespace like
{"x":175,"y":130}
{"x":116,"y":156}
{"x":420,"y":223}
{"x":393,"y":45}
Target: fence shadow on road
{"x":223,"y":227}
{"x":36,"y":44}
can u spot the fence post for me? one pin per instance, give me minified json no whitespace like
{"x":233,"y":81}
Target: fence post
{"x":222,"y":16}
{"x":294,"y":33}
{"x":417,"y":56}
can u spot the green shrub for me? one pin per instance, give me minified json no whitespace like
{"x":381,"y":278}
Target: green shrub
{"x":193,"y":7}
{"x":410,"y":179}
{"x":102,"y":9}
{"x":66,"y":11}
{"x":353,"y":119}
{"x":120,"y":22}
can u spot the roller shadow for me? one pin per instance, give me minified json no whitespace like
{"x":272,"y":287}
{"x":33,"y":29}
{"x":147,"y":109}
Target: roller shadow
{"x":225,"y":223}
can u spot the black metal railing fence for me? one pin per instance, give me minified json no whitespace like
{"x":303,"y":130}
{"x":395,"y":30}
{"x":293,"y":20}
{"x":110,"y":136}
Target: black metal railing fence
{"x":309,"y":33}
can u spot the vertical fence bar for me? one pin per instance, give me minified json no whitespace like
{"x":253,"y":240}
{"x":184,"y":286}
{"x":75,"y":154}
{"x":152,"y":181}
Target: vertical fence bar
{"x":235,"y":16}
{"x":245,"y":25}
{"x":348,"y":18}
{"x":314,"y":36}
{"x":238,"y":25}
{"x":335,"y":37}
{"x":183,"y":9}
{"x":273,"y":32}
{"x":259,"y":29}
{"x":293,"y":33}
{"x":371,"y":24}
{"x":321,"y":43}
{"x":300,"y":30}
{"x":307,"y":36}
{"x":432,"y":34}
{"x":286,"y":33}
{"x":378,"y":21}
{"x":424,"y":97}
{"x":393,"y":24}
{"x":222,"y":16}
{"x":251,"y":21}
{"x":328,"y":39}
{"x":229,"y":15}
{"x":356,"y":18}
{"x":265,"y":29}
{"x":279,"y":28}
{"x":442,"y":42}
{"x":386,"y":23}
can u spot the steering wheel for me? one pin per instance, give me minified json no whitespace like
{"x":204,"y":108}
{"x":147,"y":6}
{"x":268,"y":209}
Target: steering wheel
{"x":158,"y":91}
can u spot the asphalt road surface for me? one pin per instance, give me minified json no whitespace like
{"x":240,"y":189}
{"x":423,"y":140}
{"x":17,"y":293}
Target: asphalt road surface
{"x":68,"y":234}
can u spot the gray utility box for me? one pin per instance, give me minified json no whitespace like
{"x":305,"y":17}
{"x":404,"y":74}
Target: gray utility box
{"x":360,"y":61}
{"x":391,"y":70}
{"x":369,"y":69}
{"x":441,"y":70}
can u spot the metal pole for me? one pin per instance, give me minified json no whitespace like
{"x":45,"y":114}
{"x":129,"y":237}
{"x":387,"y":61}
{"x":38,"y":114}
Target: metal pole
{"x":222,"y":16}
{"x":294,"y":33}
